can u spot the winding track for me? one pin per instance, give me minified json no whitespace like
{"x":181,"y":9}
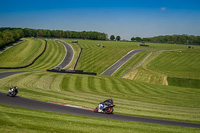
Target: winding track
{"x":39,"y":105}
{"x":69,"y":56}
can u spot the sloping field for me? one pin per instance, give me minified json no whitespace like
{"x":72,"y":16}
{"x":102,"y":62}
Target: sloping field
{"x":183,"y":64}
{"x":53,"y":55}
{"x":173,"y":65}
{"x":98,"y":59}
{"x":131,"y":98}
{"x":22,"y":54}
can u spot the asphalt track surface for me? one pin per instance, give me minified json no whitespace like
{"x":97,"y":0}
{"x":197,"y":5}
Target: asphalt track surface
{"x":68,"y":57}
{"x":39,"y":105}
{"x":120,"y":62}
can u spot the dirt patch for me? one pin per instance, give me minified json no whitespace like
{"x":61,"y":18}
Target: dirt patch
{"x":165,"y":82}
{"x":131,"y":75}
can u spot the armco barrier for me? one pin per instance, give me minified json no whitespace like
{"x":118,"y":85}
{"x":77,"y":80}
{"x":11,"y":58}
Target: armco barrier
{"x":30,"y":63}
{"x":72,"y":72}
{"x":78,"y":58}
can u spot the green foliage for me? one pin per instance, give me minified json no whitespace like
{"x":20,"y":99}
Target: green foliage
{"x":171,"y":39}
{"x":112,"y":37}
{"x":64,"y":34}
{"x":118,"y":38}
{"x":8,"y":36}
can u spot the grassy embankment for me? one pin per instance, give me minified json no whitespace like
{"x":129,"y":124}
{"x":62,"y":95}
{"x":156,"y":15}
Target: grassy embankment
{"x":22,"y":54}
{"x":176,"y":68}
{"x":27,"y":51}
{"x":98,"y":59}
{"x":23,"y":120}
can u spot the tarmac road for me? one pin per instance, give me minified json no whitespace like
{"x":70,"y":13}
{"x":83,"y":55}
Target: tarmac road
{"x":69,"y":56}
{"x":121,"y":62}
{"x":39,"y":105}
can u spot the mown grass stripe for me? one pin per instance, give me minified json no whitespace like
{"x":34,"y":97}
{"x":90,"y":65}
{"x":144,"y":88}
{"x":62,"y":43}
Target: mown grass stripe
{"x":78,"y":83}
{"x":65,"y":83}
{"x":91,"y":84}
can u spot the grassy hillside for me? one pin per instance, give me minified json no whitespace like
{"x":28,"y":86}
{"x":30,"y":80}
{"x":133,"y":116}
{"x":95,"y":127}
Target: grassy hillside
{"x":22,"y":54}
{"x":131,"y":98}
{"x":159,"y":66}
{"x":53,"y":55}
{"x":15,"y":119}
{"x":98,"y":59}
{"x":183,"y":64}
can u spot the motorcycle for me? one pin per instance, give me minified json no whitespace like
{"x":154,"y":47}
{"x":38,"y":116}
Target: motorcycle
{"x":12,"y":92}
{"x":107,"y":109}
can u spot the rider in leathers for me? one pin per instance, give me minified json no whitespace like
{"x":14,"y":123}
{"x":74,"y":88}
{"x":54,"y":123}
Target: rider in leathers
{"x":106,"y":102}
{"x":15,"y":89}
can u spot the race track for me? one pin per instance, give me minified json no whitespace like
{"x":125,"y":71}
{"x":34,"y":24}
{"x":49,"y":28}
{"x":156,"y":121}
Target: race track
{"x":121,"y":62}
{"x":39,"y":105}
{"x":69,"y":56}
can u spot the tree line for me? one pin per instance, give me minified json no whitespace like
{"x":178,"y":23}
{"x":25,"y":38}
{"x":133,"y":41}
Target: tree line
{"x":92,"y":35}
{"x":10,"y":35}
{"x":171,"y":39}
{"x":112,"y":38}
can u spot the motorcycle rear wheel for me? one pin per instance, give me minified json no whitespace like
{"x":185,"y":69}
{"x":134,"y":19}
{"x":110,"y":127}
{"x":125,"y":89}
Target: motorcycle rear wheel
{"x":109,"y":110}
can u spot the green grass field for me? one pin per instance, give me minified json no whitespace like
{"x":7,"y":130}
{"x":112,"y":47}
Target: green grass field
{"x":153,"y":90}
{"x":22,"y":54}
{"x":160,"y":67}
{"x":98,"y":59}
{"x":52,"y":57}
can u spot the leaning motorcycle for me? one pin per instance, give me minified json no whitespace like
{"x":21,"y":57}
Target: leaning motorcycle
{"x":12,"y":92}
{"x":107,"y":109}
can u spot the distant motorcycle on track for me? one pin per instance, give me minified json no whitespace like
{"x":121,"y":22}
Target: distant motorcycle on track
{"x":12,"y":92}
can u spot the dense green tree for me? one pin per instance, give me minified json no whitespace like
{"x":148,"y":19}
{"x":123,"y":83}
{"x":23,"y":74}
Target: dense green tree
{"x":138,"y":39}
{"x":118,"y":38}
{"x":133,"y":39}
{"x":112,"y":37}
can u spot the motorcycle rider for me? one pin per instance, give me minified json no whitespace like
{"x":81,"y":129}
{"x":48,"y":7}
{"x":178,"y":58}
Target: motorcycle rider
{"x":15,"y":89}
{"x":106,"y":102}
